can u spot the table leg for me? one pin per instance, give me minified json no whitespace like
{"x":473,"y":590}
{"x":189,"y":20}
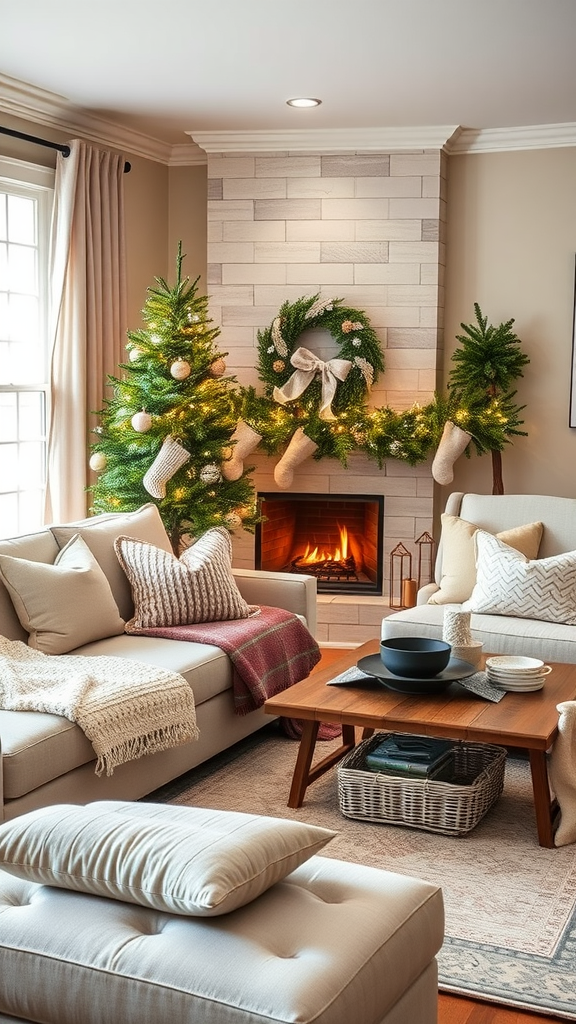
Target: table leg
{"x":542,"y":799}
{"x":304,"y":774}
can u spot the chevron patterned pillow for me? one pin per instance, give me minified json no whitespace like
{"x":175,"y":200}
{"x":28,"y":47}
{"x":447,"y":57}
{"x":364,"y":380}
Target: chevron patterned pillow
{"x":508,"y":583}
{"x":169,"y":591}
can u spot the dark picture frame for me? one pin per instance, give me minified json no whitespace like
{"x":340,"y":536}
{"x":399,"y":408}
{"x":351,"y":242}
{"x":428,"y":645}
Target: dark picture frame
{"x":572,"y":418}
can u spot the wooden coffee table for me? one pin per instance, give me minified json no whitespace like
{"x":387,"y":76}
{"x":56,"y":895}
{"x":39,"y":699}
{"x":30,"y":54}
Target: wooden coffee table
{"x":528,"y":721}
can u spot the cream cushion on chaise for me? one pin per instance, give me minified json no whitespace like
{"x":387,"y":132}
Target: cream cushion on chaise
{"x":47,"y":759}
{"x":326,"y":942}
{"x":502,"y":633}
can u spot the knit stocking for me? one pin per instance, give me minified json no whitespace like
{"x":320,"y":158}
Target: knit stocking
{"x":168,"y":461}
{"x":245,"y":441}
{"x":452,"y":443}
{"x":298,"y":450}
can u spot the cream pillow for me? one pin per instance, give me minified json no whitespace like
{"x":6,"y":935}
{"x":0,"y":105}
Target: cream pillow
{"x":458,"y":559}
{"x":65,"y":605}
{"x":100,"y":532}
{"x":507,"y":583}
{"x":169,"y":591}
{"x":183,"y":860}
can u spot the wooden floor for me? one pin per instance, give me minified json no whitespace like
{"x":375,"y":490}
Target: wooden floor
{"x":456,"y":1009}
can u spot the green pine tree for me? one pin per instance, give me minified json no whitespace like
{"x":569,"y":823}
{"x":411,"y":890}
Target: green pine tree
{"x":166,"y":431}
{"x":481,"y":380}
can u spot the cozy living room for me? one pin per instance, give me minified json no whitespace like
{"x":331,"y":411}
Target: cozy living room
{"x":288,"y":512}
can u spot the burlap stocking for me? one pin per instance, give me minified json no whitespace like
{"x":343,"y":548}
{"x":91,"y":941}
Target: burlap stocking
{"x":298,"y":450}
{"x":168,"y":461}
{"x":452,"y":443}
{"x":246,"y":440}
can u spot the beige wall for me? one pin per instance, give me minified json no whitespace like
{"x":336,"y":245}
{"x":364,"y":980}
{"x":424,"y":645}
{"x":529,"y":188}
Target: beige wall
{"x":511,"y":247}
{"x":187,"y":222}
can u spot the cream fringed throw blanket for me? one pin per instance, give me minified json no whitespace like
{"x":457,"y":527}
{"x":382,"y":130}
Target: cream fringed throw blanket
{"x":125,"y":708}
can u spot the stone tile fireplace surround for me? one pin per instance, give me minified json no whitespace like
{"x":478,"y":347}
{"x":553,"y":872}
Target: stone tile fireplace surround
{"x":367,"y":227}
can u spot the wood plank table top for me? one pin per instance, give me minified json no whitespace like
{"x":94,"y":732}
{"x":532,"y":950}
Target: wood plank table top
{"x":524,"y":720}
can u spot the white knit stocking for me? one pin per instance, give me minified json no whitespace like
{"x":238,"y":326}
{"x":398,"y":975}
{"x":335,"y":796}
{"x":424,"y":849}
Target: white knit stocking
{"x":298,"y":450}
{"x":168,"y":461}
{"x":452,"y":443}
{"x":245,"y":441}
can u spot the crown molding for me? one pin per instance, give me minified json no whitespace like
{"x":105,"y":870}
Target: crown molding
{"x":187,"y":154}
{"x":505,"y":140}
{"x":19,"y":99}
{"x":323,"y":140}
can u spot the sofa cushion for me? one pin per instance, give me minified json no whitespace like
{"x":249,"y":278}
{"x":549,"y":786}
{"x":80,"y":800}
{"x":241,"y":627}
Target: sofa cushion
{"x":101,"y":531}
{"x":507,"y":583}
{"x":500,"y":634}
{"x":169,"y":591}
{"x":64,"y":605}
{"x":184,"y":860}
{"x":458,"y":556}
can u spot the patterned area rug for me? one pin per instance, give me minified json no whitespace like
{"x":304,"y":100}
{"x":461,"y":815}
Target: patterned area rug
{"x":510,"y":905}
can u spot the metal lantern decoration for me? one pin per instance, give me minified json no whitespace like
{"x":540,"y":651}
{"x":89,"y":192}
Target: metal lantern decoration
{"x":402,"y":586}
{"x":426,"y":556}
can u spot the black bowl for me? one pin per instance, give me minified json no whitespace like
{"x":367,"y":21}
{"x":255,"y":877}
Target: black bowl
{"x":417,"y":657}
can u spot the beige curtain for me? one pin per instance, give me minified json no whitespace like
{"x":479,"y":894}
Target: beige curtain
{"x":88,"y":315}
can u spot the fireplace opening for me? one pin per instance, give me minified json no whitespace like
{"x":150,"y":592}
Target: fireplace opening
{"x":338,"y":538}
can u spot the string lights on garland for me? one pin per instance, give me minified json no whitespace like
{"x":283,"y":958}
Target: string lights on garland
{"x":318,"y":408}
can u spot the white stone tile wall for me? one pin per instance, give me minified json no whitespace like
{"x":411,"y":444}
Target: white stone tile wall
{"x":368,"y":228}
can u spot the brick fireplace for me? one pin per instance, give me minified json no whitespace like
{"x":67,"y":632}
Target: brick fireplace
{"x":336,"y":537}
{"x":365,"y":226}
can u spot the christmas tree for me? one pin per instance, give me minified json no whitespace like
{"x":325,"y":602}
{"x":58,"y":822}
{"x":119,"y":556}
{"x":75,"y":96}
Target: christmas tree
{"x":166,"y":433}
{"x":484,"y":370}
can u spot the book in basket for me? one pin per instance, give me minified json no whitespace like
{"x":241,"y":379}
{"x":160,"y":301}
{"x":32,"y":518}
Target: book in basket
{"x":419,"y":756}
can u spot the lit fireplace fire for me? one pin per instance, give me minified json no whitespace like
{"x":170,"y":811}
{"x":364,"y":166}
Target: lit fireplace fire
{"x":328,"y":565}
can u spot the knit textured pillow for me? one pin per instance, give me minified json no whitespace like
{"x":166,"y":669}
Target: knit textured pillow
{"x":169,"y":591}
{"x":507,"y":583}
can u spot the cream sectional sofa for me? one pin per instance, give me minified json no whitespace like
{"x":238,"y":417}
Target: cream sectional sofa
{"x":46,"y":759}
{"x":500,"y":633}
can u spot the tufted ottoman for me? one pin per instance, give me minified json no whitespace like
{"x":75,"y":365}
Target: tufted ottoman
{"x":332,"y":943}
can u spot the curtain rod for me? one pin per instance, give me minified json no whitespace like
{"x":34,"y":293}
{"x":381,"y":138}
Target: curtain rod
{"x":65,"y":150}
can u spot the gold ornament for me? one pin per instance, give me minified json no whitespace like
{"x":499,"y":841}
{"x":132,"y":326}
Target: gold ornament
{"x":278,"y":365}
{"x":232,"y":520}
{"x":141,"y":421}
{"x":180,"y":369}
{"x":218,"y":367}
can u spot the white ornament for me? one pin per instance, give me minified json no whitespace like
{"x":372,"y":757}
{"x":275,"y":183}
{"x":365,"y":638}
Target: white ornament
{"x":155,"y":339}
{"x":232,"y":520}
{"x":135,"y":354}
{"x":180,"y":369}
{"x":98,"y":462}
{"x":210,"y":474}
{"x":141,"y":421}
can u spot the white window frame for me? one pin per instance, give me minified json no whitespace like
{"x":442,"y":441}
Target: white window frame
{"x":19,"y":177}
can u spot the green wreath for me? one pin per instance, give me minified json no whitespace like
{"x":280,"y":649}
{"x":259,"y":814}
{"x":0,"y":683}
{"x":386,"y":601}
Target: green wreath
{"x":294,"y":376}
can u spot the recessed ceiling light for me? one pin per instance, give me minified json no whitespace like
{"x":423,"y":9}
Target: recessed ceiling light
{"x":303,"y":101}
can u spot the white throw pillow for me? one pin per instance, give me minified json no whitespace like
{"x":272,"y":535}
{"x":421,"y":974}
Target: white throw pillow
{"x":183,"y":860}
{"x":169,"y":591}
{"x":100,"y":532}
{"x":458,"y":556}
{"x":507,"y":583}
{"x":65,"y":605}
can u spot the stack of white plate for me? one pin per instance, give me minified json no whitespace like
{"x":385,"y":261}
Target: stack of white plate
{"x":518,"y":675}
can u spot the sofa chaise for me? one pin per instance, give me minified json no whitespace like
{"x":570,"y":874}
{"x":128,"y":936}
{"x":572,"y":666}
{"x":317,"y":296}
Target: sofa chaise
{"x":528,"y":599}
{"x":47,"y":759}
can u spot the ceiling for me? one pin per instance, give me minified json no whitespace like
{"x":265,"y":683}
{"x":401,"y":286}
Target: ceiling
{"x":165,"y":69}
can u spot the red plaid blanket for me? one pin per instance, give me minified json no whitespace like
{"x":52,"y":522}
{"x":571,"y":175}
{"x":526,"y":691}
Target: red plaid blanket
{"x":269,"y":652}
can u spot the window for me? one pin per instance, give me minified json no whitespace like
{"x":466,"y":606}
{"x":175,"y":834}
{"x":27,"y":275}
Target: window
{"x":26,"y":194}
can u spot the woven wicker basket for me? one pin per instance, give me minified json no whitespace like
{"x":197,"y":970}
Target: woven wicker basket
{"x":453,"y":808}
